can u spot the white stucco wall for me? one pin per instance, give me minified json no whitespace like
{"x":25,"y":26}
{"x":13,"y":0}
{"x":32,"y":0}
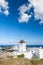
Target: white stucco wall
{"x":28,"y":55}
{"x":22,"y":47}
{"x":41,"y":53}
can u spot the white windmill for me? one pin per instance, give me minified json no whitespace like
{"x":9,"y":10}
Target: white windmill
{"x":22,"y":46}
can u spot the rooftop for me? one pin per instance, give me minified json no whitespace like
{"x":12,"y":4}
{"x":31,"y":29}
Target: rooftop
{"x":21,"y":41}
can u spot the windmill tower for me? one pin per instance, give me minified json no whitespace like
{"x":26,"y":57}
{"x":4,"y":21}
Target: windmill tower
{"x":22,"y":46}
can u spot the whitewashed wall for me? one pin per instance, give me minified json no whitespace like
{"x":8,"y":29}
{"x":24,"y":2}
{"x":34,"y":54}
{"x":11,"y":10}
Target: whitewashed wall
{"x":22,"y":47}
{"x":41,"y":53}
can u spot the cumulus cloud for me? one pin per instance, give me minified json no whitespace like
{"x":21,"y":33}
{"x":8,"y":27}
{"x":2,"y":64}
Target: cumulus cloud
{"x":6,"y":12}
{"x":4,"y":7}
{"x":38,"y":11}
{"x":24,"y":17}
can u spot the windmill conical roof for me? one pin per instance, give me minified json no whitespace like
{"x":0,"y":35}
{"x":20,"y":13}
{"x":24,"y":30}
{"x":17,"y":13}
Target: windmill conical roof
{"x":21,"y":41}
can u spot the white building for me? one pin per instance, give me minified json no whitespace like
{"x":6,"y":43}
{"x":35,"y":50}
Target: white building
{"x":22,"y":46}
{"x":37,"y":52}
{"x":41,"y":53}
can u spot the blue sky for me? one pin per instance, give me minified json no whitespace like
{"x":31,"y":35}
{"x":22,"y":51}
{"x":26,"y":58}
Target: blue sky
{"x":21,"y":20}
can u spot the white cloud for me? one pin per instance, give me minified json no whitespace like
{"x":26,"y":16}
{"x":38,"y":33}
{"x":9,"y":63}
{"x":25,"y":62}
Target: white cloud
{"x":4,"y":7}
{"x":38,"y":10}
{"x":6,"y":12}
{"x":24,"y":17}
